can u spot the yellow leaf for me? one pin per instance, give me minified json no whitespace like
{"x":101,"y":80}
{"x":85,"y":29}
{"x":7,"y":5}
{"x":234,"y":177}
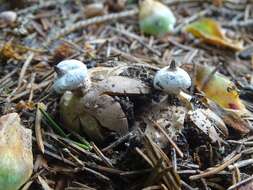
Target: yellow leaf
{"x":210,"y":32}
{"x":218,"y":88}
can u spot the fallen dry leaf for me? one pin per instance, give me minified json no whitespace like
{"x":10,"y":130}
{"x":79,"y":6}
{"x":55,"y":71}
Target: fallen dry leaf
{"x":210,"y":32}
{"x":235,"y":121}
{"x":200,"y":119}
{"x":218,"y":88}
{"x":22,"y":105}
{"x":217,"y":121}
{"x":170,"y":118}
{"x":123,"y":85}
{"x":232,"y":118}
{"x":8,"y":52}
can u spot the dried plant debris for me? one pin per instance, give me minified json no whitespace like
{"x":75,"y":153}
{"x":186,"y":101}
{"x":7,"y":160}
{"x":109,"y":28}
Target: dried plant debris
{"x":126,"y":94}
{"x":210,"y":32}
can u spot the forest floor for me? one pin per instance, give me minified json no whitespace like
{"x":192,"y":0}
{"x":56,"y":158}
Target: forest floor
{"x":179,"y":145}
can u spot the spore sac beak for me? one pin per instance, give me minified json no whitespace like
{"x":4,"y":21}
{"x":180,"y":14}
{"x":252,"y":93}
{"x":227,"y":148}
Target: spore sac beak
{"x":59,"y":71}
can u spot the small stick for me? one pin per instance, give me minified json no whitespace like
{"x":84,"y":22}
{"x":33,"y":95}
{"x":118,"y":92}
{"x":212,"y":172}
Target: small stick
{"x":217,"y":169}
{"x":73,"y":156}
{"x":101,"y":155}
{"x":117,"y":142}
{"x":37,"y":87}
{"x":144,"y":156}
{"x":95,"y":20}
{"x":40,"y":6}
{"x":135,"y":37}
{"x":187,"y":186}
{"x":8,"y":76}
{"x":235,"y":186}
{"x":241,"y":164}
{"x":38,"y":134}
{"x":24,"y":68}
{"x":97,"y":174}
{"x":59,"y":158}
{"x":180,"y":153}
{"x":32,"y":84}
{"x":239,"y":24}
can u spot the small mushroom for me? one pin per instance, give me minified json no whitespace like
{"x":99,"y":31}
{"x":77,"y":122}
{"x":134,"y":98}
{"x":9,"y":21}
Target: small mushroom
{"x":90,"y":107}
{"x":7,"y":18}
{"x":72,"y":74}
{"x":172,"y":79}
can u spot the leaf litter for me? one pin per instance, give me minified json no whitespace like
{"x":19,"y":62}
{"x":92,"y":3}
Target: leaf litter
{"x":200,"y":138}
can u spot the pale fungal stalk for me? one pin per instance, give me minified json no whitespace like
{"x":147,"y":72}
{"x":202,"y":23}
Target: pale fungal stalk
{"x":172,"y":79}
{"x":72,"y":75}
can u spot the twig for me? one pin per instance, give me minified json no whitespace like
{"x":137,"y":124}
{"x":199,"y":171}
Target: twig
{"x":135,"y":37}
{"x":40,"y":6}
{"x":99,"y":175}
{"x":180,"y":153}
{"x":72,"y":144}
{"x":8,"y":76}
{"x":187,"y":186}
{"x":31,"y":87}
{"x":101,"y":155}
{"x":38,"y":87}
{"x":240,"y":164}
{"x":144,"y":156}
{"x":239,"y":24}
{"x":118,"y":141}
{"x":217,"y":169}
{"x":59,"y":158}
{"x":95,"y":20}
{"x":235,"y":186}
{"x":38,"y":134}
{"x":24,"y":68}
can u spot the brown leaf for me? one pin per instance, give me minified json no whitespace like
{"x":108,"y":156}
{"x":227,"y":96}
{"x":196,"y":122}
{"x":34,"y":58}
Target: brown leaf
{"x":106,"y":110}
{"x":124,"y":85}
{"x":235,"y":121}
{"x":25,"y":105}
{"x":210,"y":32}
{"x":170,"y":118}
{"x":200,"y":119}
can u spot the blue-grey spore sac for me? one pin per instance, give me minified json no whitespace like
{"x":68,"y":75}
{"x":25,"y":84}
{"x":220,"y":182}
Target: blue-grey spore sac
{"x":172,"y":81}
{"x":71,"y":74}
